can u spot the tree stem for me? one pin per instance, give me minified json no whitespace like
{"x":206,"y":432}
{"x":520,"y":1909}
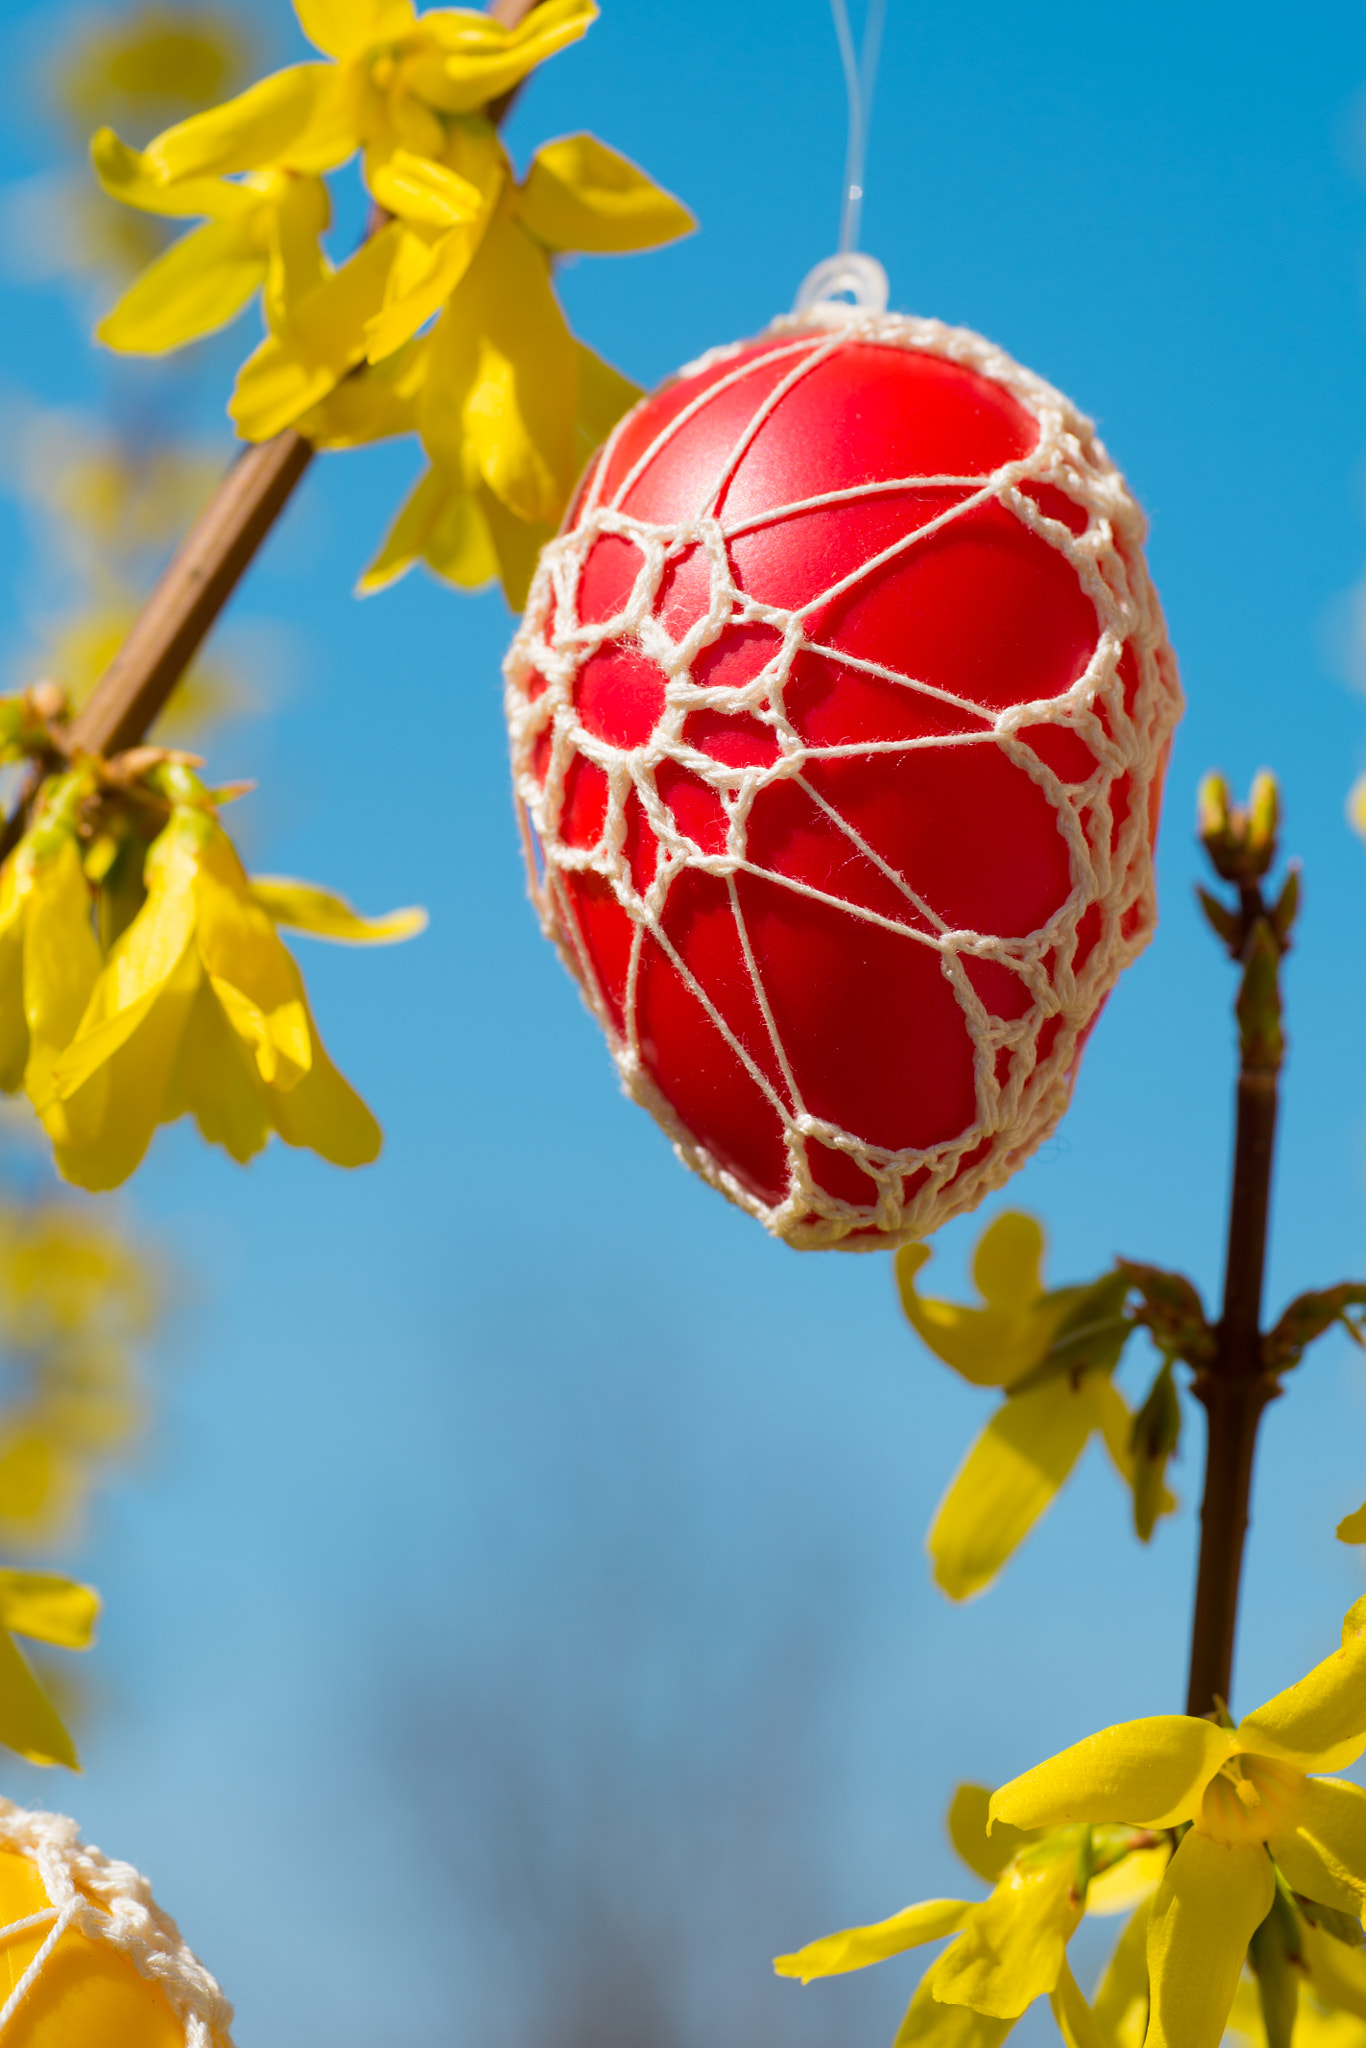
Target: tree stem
{"x":1236,"y":1387}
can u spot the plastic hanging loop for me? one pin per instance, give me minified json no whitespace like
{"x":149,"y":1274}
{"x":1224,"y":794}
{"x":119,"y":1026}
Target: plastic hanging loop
{"x":851,"y":278}
{"x":860,"y":78}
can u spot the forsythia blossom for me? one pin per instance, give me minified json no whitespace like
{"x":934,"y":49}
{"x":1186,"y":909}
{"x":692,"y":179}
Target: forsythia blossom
{"x":1052,"y":1353}
{"x":1010,"y":1948}
{"x":1260,"y":1836}
{"x":141,"y":983}
{"x":444,"y":322}
{"x":74,"y":1296}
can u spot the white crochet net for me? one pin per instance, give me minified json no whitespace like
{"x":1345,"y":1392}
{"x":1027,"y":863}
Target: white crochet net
{"x":1022,"y":1084}
{"x":109,"y":1902}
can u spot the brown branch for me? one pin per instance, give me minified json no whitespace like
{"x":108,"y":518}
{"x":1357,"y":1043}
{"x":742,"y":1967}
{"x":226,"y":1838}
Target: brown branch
{"x":1235,"y":1390}
{"x":1236,"y":1385}
{"x":203,"y":573}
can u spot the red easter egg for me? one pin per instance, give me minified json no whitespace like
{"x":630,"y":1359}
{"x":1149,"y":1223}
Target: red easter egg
{"x":839,"y":713}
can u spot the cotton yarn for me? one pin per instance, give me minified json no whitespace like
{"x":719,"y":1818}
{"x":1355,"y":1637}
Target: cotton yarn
{"x":846,"y":925}
{"x":87,"y":1958}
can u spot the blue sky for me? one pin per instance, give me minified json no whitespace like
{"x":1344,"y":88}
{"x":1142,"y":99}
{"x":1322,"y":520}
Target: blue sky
{"x":526,"y":1563}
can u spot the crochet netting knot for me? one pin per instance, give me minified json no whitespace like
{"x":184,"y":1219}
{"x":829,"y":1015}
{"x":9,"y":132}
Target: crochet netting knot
{"x":839,"y":712}
{"x":86,"y":1955}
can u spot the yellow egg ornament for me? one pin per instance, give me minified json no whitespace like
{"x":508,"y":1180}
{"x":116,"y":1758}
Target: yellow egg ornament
{"x":87,"y":1958}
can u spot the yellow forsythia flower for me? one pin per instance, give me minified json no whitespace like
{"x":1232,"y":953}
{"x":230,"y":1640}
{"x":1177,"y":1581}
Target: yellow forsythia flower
{"x":49,"y":957}
{"x":198,"y":1009}
{"x":1052,"y":1353}
{"x":263,"y":231}
{"x":506,"y":402}
{"x":74,"y":1295}
{"x":1257,"y":1825}
{"x":50,"y":1610}
{"x":1010,"y":1948}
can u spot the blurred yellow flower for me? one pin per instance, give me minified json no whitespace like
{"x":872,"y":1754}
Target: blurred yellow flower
{"x":74,"y":1295}
{"x":1052,"y":1353}
{"x":153,"y":63}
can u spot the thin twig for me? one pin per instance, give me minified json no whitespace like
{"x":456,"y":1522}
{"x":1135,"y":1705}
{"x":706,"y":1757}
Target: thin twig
{"x":1236,"y":1385}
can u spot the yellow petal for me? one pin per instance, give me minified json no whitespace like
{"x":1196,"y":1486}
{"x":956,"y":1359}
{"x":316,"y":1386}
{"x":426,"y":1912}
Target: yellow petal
{"x":1352,"y":1528}
{"x":1006,"y":1481}
{"x":418,"y":287}
{"x":245,"y":133}
{"x":986,"y":1855}
{"x":1337,"y":1974}
{"x":1319,"y":1724}
{"x":993,"y":1346}
{"x":1121,"y":2004}
{"x":132,"y":1089}
{"x":143,"y":962}
{"x":1116,"y":1429}
{"x":295,"y":222}
{"x":325,"y":338}
{"x":1324,"y":1857}
{"x":1150,"y":1773}
{"x":472,"y":59}
{"x":1007,"y":1266}
{"x":519,"y":413}
{"x":581,"y":195}
{"x":253,"y":973}
{"x":126,"y":175}
{"x":517,"y":543}
{"x":325,"y":1114}
{"x":372,"y":403}
{"x":856,"y":1947}
{"x":307,"y":908}
{"x":347,"y":28}
{"x":1128,"y":1883}
{"x":54,"y":1610}
{"x":928,"y":2024}
{"x":416,"y":189}
{"x":1076,"y":2022}
{"x":278,"y":1039}
{"x":217,"y":1082}
{"x":605,"y":397}
{"x":29,"y":1723}
{"x":1210,"y":1903}
{"x":16,"y":886}
{"x":199,"y":285}
{"x":61,"y":963}
{"x":1013,"y":1946}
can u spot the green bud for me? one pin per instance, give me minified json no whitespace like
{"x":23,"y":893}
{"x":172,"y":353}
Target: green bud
{"x":1276,"y":1955}
{"x":1155,"y":1435}
{"x":1212,"y":808}
{"x":1263,"y":820}
{"x":1226,"y":923}
{"x":1287,"y":906}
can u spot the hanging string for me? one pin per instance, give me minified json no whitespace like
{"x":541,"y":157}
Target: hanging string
{"x":851,"y":277}
{"x":860,"y":79}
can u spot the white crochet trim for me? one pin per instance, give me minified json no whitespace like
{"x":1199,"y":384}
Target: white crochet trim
{"x":1015,"y":1115}
{"x":123,"y":1914}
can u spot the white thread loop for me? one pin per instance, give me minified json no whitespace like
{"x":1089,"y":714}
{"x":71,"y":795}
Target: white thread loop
{"x":850,"y":283}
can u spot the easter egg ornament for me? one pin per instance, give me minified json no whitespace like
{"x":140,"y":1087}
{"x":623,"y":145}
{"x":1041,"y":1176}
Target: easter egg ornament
{"x":839,"y":713}
{"x":87,"y":1959}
